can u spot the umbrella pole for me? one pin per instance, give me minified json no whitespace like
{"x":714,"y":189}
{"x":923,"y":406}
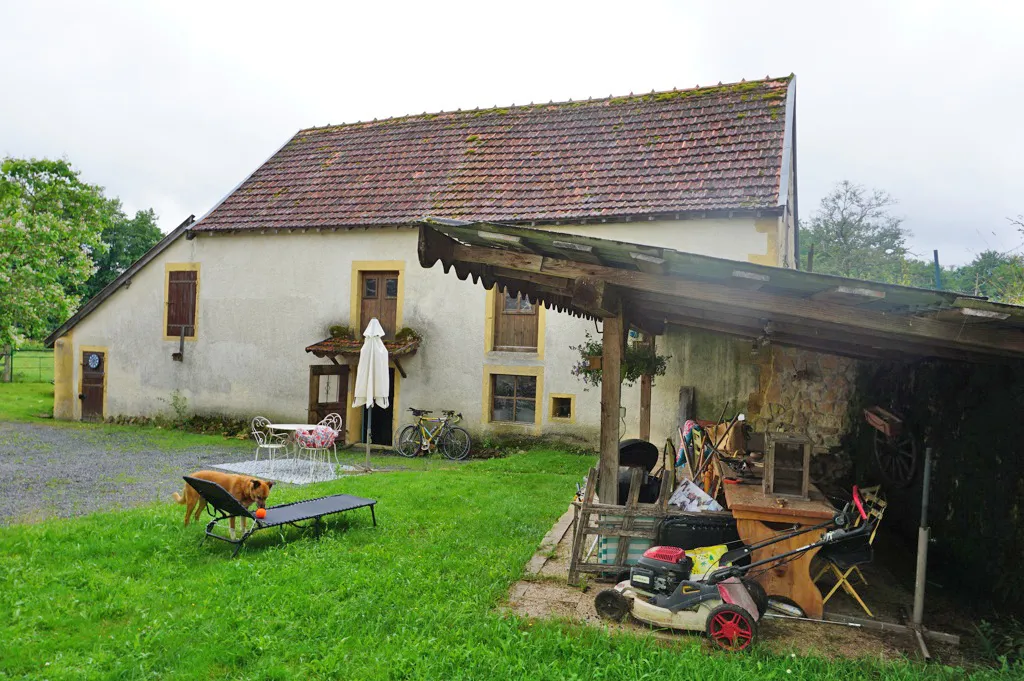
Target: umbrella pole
{"x":369,"y":432}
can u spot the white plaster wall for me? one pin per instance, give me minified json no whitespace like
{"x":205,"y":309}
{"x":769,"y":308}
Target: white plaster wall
{"x":264,"y":297}
{"x":736,"y":239}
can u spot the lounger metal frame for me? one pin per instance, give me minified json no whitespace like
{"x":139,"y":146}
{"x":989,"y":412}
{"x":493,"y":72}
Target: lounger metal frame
{"x":227,"y":506}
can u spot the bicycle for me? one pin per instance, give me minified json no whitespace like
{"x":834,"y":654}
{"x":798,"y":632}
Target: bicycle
{"x":420,"y":438}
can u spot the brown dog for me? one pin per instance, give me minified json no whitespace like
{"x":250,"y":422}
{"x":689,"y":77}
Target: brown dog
{"x":247,"y":490}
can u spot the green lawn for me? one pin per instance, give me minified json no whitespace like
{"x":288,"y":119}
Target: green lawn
{"x":33,"y":403}
{"x":33,"y":366}
{"x":25,"y":401}
{"x":130,"y":595}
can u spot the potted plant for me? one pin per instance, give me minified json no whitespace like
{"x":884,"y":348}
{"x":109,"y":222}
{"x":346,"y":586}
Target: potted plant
{"x":407,"y":335}
{"x":639,"y":359}
{"x":340,"y":331}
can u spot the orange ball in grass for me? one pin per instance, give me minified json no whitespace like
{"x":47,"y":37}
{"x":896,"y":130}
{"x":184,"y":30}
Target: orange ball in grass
{"x":261,"y":513}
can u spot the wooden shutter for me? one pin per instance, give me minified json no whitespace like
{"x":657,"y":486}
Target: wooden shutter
{"x":515,"y":323}
{"x":181,"y":303}
{"x":379,"y":292}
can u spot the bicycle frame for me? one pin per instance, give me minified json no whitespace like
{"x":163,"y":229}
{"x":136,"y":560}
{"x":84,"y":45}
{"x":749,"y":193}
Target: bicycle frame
{"x":432,"y":433}
{"x":427,"y":441}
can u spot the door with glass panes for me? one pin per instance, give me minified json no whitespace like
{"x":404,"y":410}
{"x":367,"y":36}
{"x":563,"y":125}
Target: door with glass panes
{"x":379,"y":296}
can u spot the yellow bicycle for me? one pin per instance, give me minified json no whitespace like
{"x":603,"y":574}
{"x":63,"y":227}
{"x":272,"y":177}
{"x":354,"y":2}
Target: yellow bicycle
{"x":430,"y":433}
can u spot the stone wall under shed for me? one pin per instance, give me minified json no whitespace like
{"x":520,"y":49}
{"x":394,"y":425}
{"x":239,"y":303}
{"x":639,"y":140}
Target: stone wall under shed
{"x":803,"y":392}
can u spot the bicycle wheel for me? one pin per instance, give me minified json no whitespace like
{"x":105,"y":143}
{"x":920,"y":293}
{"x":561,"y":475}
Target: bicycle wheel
{"x":455,"y":444}
{"x":408,"y":441}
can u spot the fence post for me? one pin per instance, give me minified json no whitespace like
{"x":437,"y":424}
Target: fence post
{"x":8,"y":364}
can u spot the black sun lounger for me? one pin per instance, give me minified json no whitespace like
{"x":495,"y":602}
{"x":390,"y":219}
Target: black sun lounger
{"x":285,"y":514}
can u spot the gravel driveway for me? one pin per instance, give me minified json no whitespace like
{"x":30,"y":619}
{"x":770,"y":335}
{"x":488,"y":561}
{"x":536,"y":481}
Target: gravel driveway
{"x":48,"y":471}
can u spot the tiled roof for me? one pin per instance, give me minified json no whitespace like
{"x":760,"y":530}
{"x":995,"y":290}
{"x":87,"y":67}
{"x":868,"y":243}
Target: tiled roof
{"x":715,"y":148}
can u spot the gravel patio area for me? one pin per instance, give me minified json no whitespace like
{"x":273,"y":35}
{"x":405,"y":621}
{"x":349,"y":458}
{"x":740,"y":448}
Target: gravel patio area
{"x":53,"y":471}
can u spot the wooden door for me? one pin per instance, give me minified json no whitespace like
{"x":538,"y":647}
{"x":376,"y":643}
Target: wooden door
{"x":383,"y":419}
{"x":379,"y":292}
{"x":515,"y":323}
{"x":93,"y":368}
{"x":328,"y":391}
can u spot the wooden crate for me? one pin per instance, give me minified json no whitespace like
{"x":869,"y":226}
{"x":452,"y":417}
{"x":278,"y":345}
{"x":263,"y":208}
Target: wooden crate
{"x":787,"y":465}
{"x":883,"y":421}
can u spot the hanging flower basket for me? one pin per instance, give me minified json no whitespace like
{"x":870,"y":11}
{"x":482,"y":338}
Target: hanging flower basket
{"x":638,"y":360}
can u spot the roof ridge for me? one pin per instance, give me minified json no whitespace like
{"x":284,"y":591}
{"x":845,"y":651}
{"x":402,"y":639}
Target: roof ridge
{"x":653,"y":95}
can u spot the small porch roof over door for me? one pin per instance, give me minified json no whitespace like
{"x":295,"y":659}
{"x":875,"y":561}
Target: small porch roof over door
{"x":596,"y":278}
{"x":345,"y":348}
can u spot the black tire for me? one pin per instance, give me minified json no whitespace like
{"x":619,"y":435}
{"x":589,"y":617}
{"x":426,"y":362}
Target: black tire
{"x":758,"y":595}
{"x":774,"y":601}
{"x":408,"y":441}
{"x":611,"y":605}
{"x":455,"y":444}
{"x":731,"y":628}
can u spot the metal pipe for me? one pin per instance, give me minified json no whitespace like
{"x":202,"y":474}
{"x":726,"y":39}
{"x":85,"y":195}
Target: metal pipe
{"x":923,"y":535}
{"x":774,"y":616}
{"x":925,"y":653}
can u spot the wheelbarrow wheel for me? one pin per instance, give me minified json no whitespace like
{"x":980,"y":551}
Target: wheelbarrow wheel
{"x":731,"y":628}
{"x":758,"y":595}
{"x":611,"y":605}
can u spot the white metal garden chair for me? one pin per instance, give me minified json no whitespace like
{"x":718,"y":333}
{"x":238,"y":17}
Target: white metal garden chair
{"x":266,"y":442}
{"x":320,"y":444}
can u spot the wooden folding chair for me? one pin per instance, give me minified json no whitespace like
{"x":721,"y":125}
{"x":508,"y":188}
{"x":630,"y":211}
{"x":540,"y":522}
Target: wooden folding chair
{"x":843,"y":560}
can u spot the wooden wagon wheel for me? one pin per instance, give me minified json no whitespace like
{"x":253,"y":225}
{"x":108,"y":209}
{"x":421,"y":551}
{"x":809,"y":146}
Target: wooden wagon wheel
{"x":897,"y":458}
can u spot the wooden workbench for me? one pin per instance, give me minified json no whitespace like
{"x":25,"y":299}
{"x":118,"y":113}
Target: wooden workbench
{"x":760,"y":517}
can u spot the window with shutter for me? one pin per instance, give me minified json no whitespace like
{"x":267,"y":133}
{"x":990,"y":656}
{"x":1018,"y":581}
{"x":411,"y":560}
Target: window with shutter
{"x":515,"y":323}
{"x":182,"y":293}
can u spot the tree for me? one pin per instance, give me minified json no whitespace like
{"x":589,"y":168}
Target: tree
{"x":855,"y":235}
{"x":991,"y":274}
{"x":126,"y":240}
{"x":50,"y":225}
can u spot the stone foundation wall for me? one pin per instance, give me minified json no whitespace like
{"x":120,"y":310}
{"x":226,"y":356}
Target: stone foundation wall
{"x":803,"y":392}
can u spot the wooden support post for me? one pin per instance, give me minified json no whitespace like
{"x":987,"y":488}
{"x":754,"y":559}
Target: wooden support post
{"x":611,"y":390}
{"x":645,"y":406}
{"x":646,"y":381}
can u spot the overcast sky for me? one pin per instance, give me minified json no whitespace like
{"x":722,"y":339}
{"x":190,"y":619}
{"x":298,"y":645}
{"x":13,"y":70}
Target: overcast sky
{"x":171,"y":104}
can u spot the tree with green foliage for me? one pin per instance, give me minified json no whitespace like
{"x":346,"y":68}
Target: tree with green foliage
{"x":855,"y":235}
{"x":50,"y":227}
{"x":992,"y":274}
{"x":125,"y":240}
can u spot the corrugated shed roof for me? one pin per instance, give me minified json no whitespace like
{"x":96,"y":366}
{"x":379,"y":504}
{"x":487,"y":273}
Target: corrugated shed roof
{"x":704,"y":149}
{"x":818,"y":311}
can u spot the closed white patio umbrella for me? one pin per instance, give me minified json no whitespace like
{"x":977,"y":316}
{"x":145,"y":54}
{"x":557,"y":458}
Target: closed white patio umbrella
{"x":372,"y":384}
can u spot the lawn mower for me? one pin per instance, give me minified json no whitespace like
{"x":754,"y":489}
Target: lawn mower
{"x":724,"y":602}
